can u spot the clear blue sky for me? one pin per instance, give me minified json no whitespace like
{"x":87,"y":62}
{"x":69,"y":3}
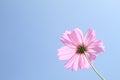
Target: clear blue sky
{"x":30,"y":32}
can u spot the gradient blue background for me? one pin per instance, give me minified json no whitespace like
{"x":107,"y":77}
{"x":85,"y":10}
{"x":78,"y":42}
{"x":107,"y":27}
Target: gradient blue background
{"x":30,"y":32}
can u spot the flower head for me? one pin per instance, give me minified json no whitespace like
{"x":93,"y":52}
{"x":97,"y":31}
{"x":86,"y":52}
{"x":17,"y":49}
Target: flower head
{"x":77,"y":46}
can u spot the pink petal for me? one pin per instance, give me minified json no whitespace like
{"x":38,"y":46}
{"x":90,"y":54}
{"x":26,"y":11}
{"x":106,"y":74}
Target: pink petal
{"x":89,"y":36}
{"x":70,"y":62}
{"x":76,"y":37}
{"x":65,"y":39}
{"x":65,"y":53}
{"x":92,"y":56}
{"x":83,"y":63}
{"x":76,"y":64}
{"x":89,"y":50}
{"x":91,"y":53}
{"x":96,"y":46}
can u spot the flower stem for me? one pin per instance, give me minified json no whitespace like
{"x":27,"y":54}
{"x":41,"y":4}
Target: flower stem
{"x":94,"y":68}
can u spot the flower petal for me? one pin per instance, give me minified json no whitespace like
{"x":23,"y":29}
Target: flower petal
{"x":83,"y":63}
{"x":89,"y":36}
{"x":76,"y":64}
{"x":65,"y":39}
{"x":76,"y":37}
{"x":96,"y":46}
{"x":70,"y":62}
{"x":92,"y":56}
{"x":65,"y":53}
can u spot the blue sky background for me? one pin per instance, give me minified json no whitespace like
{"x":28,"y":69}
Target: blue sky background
{"x":30,"y":32}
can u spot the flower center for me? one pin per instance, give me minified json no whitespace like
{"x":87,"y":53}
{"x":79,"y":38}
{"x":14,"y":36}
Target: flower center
{"x":81,"y":49}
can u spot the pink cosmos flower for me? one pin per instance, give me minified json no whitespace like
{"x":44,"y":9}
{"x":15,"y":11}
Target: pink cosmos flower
{"x":76,"y":46}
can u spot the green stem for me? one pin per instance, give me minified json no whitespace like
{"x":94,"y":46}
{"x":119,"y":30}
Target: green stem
{"x":94,"y":68}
